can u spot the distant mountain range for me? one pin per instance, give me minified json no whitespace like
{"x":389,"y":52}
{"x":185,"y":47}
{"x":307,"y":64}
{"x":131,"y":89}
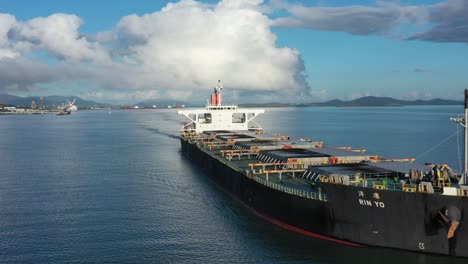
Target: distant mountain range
{"x":80,"y":103}
{"x":48,"y":101}
{"x":365,"y":101}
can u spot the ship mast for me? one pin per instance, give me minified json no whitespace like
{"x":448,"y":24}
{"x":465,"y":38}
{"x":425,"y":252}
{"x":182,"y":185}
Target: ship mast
{"x":463,"y":122}
{"x":216,"y":98}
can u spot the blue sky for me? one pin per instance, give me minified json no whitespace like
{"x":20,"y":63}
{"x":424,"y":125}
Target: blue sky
{"x":132,"y":50}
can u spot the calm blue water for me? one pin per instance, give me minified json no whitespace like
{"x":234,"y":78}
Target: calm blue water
{"x":113,"y":187}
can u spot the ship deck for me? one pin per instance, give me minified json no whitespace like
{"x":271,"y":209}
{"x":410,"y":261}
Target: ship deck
{"x":287,"y":183}
{"x":297,"y":166}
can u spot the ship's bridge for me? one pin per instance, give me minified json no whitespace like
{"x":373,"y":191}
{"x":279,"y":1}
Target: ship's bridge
{"x":217,"y":117}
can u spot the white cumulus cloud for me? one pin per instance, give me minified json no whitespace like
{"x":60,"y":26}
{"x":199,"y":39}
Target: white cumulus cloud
{"x":189,"y":45}
{"x":59,"y":35}
{"x":7,"y":21}
{"x":172,"y":53}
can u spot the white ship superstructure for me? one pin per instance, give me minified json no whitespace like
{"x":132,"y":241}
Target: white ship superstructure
{"x":218,"y":117}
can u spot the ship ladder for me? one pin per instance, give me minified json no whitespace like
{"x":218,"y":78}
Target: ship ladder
{"x":317,"y":176}
{"x":313,"y":176}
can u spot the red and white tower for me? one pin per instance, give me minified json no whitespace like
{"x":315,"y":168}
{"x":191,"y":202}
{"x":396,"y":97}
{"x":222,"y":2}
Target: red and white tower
{"x":216,"y":97}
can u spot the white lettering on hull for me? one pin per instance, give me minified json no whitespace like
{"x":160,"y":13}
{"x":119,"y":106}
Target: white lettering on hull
{"x":379,"y":204}
{"x":371,"y":203}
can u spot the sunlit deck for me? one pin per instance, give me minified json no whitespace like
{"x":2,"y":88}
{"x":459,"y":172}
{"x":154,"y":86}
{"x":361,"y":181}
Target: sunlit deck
{"x":296,"y":166}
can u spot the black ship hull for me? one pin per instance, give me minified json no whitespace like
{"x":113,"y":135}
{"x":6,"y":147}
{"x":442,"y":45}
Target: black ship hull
{"x":350,"y":215}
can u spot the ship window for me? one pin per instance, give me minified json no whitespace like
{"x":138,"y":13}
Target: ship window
{"x":238,"y":118}
{"x":204,"y":118}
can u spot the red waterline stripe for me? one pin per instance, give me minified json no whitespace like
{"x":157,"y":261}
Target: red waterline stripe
{"x":302,"y":231}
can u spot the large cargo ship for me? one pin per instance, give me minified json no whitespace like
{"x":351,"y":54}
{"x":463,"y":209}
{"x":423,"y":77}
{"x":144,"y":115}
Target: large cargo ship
{"x":335,"y":193}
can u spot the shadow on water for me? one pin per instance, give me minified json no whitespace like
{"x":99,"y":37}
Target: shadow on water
{"x":158,"y":131}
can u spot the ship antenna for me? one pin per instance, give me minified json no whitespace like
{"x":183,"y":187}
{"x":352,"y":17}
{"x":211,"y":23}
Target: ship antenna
{"x":463,"y":122}
{"x":219,"y":87}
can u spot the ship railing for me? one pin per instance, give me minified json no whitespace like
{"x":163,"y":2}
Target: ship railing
{"x":230,"y":154}
{"x":293,"y":191}
{"x":196,"y":140}
{"x":382,"y":180}
{"x":201,"y":140}
{"x":390,"y":184}
{"x":212,"y":143}
{"x":377,"y":183}
{"x":394,"y":186}
{"x":290,"y":171}
{"x":377,"y":175}
{"x":275,"y":166}
{"x":193,"y":137}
